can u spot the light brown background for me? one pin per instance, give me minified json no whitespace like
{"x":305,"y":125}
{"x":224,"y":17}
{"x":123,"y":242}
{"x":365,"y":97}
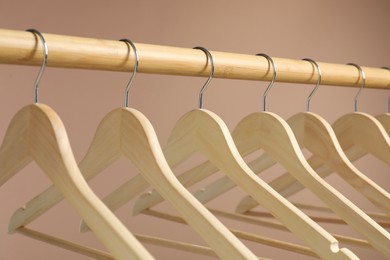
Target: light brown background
{"x":328,"y":31}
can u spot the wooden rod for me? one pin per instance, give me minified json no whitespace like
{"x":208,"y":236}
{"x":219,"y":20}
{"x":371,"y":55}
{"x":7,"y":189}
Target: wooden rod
{"x":80,"y":249}
{"x":329,"y":220}
{"x":97,"y":254}
{"x":377,"y":216}
{"x":178,"y":245}
{"x":240,"y":234}
{"x":265,"y":223}
{"x":23,"y":48}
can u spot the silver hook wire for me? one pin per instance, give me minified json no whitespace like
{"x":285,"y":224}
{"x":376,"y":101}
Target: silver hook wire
{"x":126,"y":100}
{"x":317,"y":84}
{"x":388,"y":100}
{"x":45,"y":55}
{"x":209,"y":57}
{"x":363,"y":75}
{"x":270,"y":61}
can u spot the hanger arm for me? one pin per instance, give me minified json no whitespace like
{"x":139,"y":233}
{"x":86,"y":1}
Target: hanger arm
{"x":315,"y":134}
{"x":287,"y":185}
{"x":51,"y":196}
{"x":206,"y":133}
{"x":384,"y":119}
{"x":46,"y":140}
{"x":277,"y":139}
{"x":365,"y":131}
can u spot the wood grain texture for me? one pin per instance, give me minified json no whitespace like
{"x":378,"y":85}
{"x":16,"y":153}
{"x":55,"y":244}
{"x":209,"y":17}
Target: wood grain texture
{"x":20,"y":47}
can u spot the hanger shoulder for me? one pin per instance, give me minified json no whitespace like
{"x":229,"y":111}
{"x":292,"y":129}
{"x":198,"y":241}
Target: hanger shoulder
{"x":127,"y":132}
{"x":104,"y":149}
{"x":384,"y":119}
{"x":277,"y":139}
{"x":224,"y":184}
{"x":14,"y":151}
{"x":353,"y":154}
{"x":209,"y":135}
{"x":315,"y":134}
{"x":289,"y":186}
{"x":47,"y":142}
{"x":140,"y":144}
{"x":365,"y":131}
{"x":188,"y":178}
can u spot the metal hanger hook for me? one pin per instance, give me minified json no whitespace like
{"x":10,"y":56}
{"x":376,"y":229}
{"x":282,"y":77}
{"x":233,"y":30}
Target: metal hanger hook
{"x":209,"y":57}
{"x":45,"y":55}
{"x":317,"y":84}
{"x":363,"y":75}
{"x":270,"y":62}
{"x":128,"y":42}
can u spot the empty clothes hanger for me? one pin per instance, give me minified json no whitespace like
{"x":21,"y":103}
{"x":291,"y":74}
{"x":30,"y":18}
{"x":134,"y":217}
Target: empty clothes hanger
{"x":359,"y":134}
{"x":363,"y":130}
{"x":37,"y":133}
{"x":202,"y":131}
{"x":316,"y":134}
{"x":127,"y":132}
{"x":268,"y":131}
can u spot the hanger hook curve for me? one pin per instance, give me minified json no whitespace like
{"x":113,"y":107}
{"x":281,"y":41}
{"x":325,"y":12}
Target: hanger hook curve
{"x":45,"y":55}
{"x":270,"y":62}
{"x":128,"y":42}
{"x":209,"y":57}
{"x":317,"y":84}
{"x":363,"y":75}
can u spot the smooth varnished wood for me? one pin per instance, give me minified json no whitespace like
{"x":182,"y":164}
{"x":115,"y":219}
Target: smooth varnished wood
{"x":68,"y":245}
{"x":384,"y":119}
{"x":319,"y":219}
{"x":243,"y":235}
{"x":267,"y":131}
{"x":37,"y":133}
{"x":289,"y":186}
{"x":366,"y":132}
{"x":203,"y":131}
{"x":19,"y":47}
{"x":97,"y":254}
{"x":350,"y":129}
{"x":127,"y":132}
{"x":315,"y":134}
{"x":270,"y":133}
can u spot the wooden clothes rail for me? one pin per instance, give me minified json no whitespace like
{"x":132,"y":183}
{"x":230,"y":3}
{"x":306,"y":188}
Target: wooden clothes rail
{"x":21,"y":47}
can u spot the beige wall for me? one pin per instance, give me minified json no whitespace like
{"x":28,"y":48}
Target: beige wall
{"x":329,"y":31}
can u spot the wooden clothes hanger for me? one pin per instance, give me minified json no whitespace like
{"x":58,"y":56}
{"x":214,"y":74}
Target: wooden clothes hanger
{"x":316,"y":134}
{"x":37,"y":133}
{"x":209,"y":125}
{"x":127,"y":132}
{"x":268,"y":131}
{"x":202,"y":131}
{"x":358,"y":133}
{"x":363,"y":130}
